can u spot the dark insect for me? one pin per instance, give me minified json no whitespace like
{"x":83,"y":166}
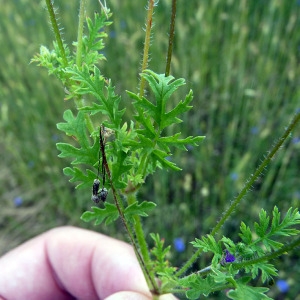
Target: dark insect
{"x":97,"y":193}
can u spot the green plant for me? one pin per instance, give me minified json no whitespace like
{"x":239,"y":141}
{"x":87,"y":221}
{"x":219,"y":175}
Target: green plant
{"x":128,"y":152}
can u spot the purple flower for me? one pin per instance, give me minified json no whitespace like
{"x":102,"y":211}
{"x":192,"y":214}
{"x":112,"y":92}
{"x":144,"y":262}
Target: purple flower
{"x":18,"y":201}
{"x":179,"y":244}
{"x":229,"y":258}
{"x":282,"y":285}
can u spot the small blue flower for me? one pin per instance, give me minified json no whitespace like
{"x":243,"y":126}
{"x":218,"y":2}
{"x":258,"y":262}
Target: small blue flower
{"x":55,"y":137}
{"x":282,"y":285}
{"x":189,"y":147}
{"x":30,"y":22}
{"x":30,"y":164}
{"x":179,"y":244}
{"x":123,"y":24}
{"x":234,"y":176}
{"x":112,"y":34}
{"x":296,"y":140}
{"x":254,"y":130}
{"x":18,"y":201}
{"x":296,"y":194}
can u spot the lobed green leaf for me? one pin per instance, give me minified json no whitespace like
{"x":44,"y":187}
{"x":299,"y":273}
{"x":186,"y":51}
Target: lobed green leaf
{"x":86,"y":180}
{"x":109,"y":212}
{"x":243,"y":291}
{"x":138,"y":209}
{"x":75,"y":126}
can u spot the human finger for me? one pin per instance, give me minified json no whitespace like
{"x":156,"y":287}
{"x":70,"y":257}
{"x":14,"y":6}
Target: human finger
{"x":67,"y":263}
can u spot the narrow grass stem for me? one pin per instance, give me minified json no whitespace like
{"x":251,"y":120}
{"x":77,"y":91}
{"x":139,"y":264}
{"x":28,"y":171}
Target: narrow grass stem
{"x":56,"y":31}
{"x":171,"y":38}
{"x":147,"y":43}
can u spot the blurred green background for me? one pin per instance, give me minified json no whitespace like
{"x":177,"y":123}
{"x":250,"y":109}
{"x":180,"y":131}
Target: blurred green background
{"x":241,"y":58}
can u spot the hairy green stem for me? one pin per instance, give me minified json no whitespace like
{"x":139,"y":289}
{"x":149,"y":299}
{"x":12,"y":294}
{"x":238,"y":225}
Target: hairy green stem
{"x":139,"y":232}
{"x":171,"y":38}
{"x":56,"y":31}
{"x":80,"y":32}
{"x":147,"y":43}
{"x":149,"y":277}
{"x":257,"y":173}
{"x":189,"y":263}
{"x":245,"y":189}
{"x":79,"y":101}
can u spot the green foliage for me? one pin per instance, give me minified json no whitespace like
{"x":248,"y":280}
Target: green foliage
{"x":266,"y":232}
{"x":209,"y":244}
{"x":137,"y":209}
{"x":160,"y":264}
{"x":154,"y":118}
{"x":53,"y":60}
{"x":86,"y":154}
{"x":245,"y":292}
{"x":132,"y":151}
{"x":93,"y":42}
{"x":198,"y":286}
{"x":93,"y":83}
{"x":109,"y":212}
{"x":147,"y":143}
{"x":250,"y":255}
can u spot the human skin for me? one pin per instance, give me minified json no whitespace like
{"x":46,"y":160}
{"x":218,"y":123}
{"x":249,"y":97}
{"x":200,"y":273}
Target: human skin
{"x":71,"y":263}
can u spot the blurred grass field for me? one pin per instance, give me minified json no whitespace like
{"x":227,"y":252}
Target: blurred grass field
{"x":241,"y":58}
